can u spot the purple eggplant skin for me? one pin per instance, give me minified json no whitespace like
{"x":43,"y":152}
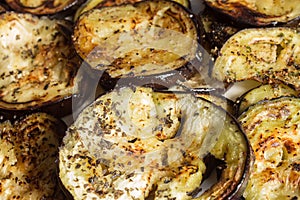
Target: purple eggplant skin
{"x":156,"y":81}
{"x":223,"y":169}
{"x":59,"y":109}
{"x":3,"y":7}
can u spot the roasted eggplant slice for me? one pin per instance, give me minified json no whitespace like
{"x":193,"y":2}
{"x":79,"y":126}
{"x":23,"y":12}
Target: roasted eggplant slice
{"x":38,"y":65}
{"x":29,"y":150}
{"x":90,"y":4}
{"x":141,"y":39}
{"x":266,"y":55}
{"x":264,"y":92}
{"x":273,"y":130}
{"x":42,"y":7}
{"x":136,"y":143}
{"x":257,"y":12}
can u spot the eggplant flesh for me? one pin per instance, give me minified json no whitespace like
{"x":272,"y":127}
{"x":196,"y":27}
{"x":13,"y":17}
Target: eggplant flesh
{"x":258,"y":12}
{"x":268,"y":55}
{"x":42,"y":7}
{"x":38,"y":65}
{"x":29,"y":149}
{"x":185,"y":3}
{"x":90,"y":4}
{"x":273,"y":130}
{"x":141,"y":39}
{"x":133,"y":143}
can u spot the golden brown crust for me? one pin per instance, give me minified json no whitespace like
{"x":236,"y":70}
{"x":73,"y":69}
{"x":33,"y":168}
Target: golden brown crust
{"x":273,"y":130}
{"x":29,"y":149}
{"x":131,"y":143}
{"x":38,"y":65}
{"x":268,"y":55}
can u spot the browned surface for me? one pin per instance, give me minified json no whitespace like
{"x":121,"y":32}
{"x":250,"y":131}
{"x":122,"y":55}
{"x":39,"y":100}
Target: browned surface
{"x":40,"y":7}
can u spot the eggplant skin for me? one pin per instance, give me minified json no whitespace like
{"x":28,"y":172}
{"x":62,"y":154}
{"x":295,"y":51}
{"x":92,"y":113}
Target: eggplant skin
{"x":218,"y":100}
{"x":38,"y":64}
{"x":257,"y":12}
{"x":166,"y":80}
{"x":29,"y":150}
{"x":262,"y":93}
{"x":267,"y":55}
{"x":126,"y":145}
{"x":215,"y":30}
{"x":141,"y":39}
{"x":42,"y":7}
{"x":273,"y":130}
{"x":3,"y":7}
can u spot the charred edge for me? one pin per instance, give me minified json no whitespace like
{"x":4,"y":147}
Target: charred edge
{"x":59,"y":108}
{"x":249,"y":161}
{"x":155,"y":81}
{"x":107,"y":3}
{"x":242,"y":14}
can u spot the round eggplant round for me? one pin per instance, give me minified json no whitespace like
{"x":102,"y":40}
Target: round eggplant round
{"x":42,"y":7}
{"x":272,"y":127}
{"x":28,"y":157}
{"x":38,"y":65}
{"x":140,"y":40}
{"x":134,"y":143}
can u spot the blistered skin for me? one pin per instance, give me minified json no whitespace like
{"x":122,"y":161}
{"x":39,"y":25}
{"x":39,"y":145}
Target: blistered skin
{"x":37,"y":62}
{"x":273,"y":130}
{"x":130,"y":144}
